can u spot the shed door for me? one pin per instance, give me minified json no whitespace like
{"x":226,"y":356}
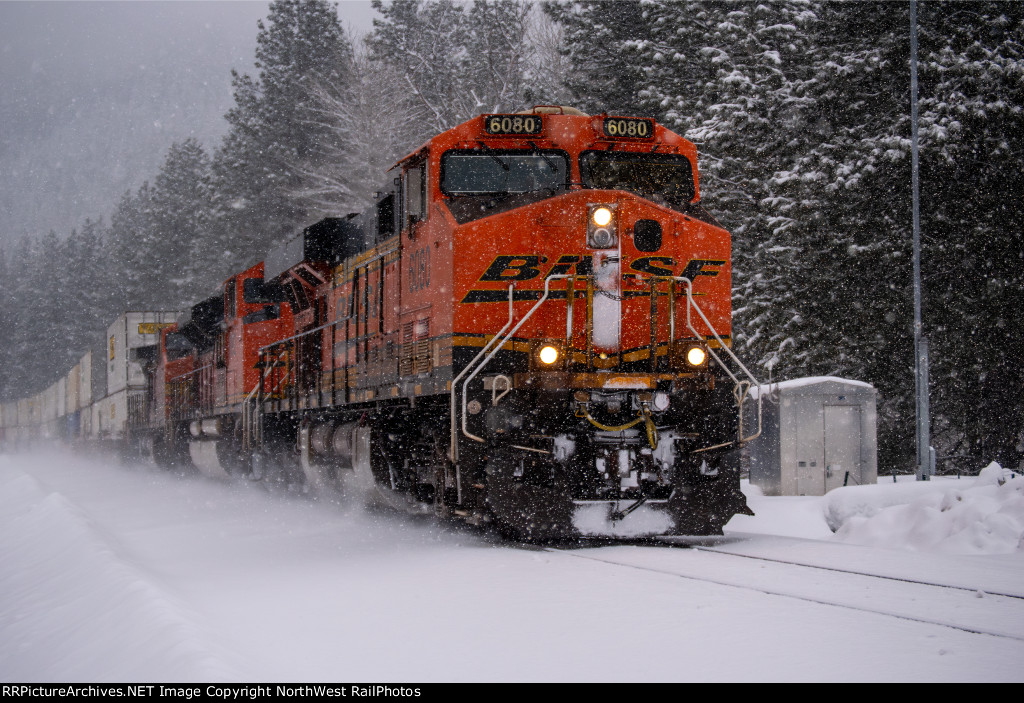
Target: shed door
{"x":842,"y":445}
{"x":810,"y":440}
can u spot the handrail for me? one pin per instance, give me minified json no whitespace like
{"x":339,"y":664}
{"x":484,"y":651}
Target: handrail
{"x":482,"y":364}
{"x":246,"y":413}
{"x":454,"y":452}
{"x":303,"y":334}
{"x":454,"y":449}
{"x":194,"y":407}
{"x":739,"y":391}
{"x":296,"y":337}
{"x":498,"y":341}
{"x":189,"y":373}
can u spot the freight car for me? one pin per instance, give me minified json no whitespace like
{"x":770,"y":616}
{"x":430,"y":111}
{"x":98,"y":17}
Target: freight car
{"x":102,"y":398}
{"x":531,"y":327}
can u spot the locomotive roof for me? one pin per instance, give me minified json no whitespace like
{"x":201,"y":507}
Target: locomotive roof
{"x":584,"y":127}
{"x":535,"y":110}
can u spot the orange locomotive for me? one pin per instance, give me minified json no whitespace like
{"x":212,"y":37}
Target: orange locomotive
{"x":531,"y":327}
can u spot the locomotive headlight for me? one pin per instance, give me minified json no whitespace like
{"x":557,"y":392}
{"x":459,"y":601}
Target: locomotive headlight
{"x":601,"y":216}
{"x":696,"y":356}
{"x":601,"y":227}
{"x":548,"y":354}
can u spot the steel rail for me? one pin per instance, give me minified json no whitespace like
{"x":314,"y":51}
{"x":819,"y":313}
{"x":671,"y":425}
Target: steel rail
{"x":795,"y":596}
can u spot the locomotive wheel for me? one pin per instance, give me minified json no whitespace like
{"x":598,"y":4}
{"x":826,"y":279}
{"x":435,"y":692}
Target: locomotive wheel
{"x":277,"y":469}
{"x":168,"y":455}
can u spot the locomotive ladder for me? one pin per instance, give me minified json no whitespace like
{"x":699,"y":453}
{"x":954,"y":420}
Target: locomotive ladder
{"x":741,"y":386}
{"x":252,"y":407}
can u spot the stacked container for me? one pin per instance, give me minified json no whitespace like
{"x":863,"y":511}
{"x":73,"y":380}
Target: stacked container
{"x":131,"y":342}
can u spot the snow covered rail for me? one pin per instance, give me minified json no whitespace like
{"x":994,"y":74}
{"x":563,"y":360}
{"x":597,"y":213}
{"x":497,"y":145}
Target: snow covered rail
{"x":889,"y":597}
{"x":974,"y":591}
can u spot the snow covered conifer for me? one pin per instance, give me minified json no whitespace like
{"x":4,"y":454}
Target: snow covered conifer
{"x":180,"y":205}
{"x":273,"y":127}
{"x":372,"y":122}
{"x":456,"y":63}
{"x":129,"y":242}
{"x":599,"y":75}
{"x":972,"y":134}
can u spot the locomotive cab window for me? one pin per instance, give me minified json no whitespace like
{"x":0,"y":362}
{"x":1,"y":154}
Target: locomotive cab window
{"x":485,"y":182}
{"x":415,"y":192}
{"x":256,"y":290}
{"x":229,"y":298}
{"x":666,"y":179}
{"x":177,"y":345}
{"x":386,"y":216}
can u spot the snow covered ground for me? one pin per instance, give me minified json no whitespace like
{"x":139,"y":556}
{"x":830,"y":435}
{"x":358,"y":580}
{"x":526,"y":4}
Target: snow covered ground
{"x":126,"y":573}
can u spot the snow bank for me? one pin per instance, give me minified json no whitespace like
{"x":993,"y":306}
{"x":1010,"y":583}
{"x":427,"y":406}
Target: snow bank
{"x":786,"y":516}
{"x":971,"y":516}
{"x":842,"y":504}
{"x":67,"y":596}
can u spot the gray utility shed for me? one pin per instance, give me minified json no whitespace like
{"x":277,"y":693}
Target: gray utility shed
{"x":818,"y":433}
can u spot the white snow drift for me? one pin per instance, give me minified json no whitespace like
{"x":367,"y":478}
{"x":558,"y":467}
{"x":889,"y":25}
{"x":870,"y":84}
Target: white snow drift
{"x":983,"y":515}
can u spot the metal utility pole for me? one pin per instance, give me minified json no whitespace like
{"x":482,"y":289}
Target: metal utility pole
{"x":925,"y":462}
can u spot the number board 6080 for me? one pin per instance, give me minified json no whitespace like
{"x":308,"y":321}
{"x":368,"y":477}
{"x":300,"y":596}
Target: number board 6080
{"x":628,"y":128}
{"x":513,"y":125}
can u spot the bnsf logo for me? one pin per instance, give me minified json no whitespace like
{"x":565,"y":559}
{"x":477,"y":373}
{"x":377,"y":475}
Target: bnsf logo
{"x":527,"y":267}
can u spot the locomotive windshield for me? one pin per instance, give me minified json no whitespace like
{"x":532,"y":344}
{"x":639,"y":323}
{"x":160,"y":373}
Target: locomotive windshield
{"x":667,"y":179}
{"x":482,"y":183}
{"x":502,"y":172}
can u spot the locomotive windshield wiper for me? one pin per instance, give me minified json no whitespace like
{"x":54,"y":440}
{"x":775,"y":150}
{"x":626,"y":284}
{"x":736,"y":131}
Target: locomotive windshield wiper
{"x":493,"y":154}
{"x":547,"y":159}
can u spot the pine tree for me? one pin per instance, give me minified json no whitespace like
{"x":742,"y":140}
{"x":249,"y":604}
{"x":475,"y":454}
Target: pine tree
{"x":972,"y":134}
{"x":798,"y":110}
{"x":547,"y":67}
{"x":734,"y":79}
{"x":856,"y":306}
{"x":6,"y":323}
{"x":601,"y":76}
{"x":456,"y":64}
{"x":44,"y":294}
{"x":424,"y":42}
{"x":498,"y":53}
{"x":180,"y":207}
{"x":129,"y":242}
{"x":90,"y":285}
{"x":374,"y":122}
{"x":25,"y":293}
{"x":273,"y":129}
{"x":84,"y":303}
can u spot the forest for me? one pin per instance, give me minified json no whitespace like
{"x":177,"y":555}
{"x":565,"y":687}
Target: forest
{"x":801,"y":114}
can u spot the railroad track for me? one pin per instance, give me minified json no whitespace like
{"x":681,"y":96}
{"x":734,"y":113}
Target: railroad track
{"x":937,"y":604}
{"x":900,"y":579}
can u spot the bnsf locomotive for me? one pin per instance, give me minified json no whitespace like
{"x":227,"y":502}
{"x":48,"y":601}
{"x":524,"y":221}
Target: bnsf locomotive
{"x":530,"y":328}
